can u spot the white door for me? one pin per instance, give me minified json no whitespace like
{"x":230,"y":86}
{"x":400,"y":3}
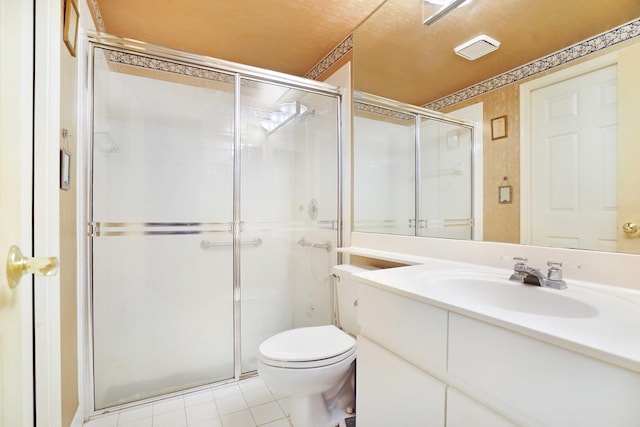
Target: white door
{"x":573,"y":162}
{"x":16,"y":77}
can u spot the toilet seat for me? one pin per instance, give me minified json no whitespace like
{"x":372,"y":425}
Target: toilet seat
{"x":308,"y":347}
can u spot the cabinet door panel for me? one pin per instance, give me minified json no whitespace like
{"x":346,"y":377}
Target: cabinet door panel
{"x":392,"y":392}
{"x":415,"y":331}
{"x":549,"y":384}
{"x":463,"y":411}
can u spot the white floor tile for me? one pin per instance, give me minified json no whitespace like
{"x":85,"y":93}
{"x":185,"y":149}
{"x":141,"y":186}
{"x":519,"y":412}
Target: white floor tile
{"x":251,"y":383}
{"x":104,"y":421}
{"x":144,"y":422}
{"x":169,"y":405}
{"x":258,"y":396}
{"x":266,"y":413}
{"x":285,"y":404}
{"x":171,"y":419}
{"x":238,"y":419}
{"x":226,"y":391}
{"x":198,"y":398}
{"x":202,"y":412}
{"x":208,"y":423}
{"x":284,"y":422}
{"x":135,"y":414}
{"x":278,"y":394}
{"x":231,"y":404}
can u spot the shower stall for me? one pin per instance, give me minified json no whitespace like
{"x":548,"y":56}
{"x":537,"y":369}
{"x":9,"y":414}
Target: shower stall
{"x":213,"y":211}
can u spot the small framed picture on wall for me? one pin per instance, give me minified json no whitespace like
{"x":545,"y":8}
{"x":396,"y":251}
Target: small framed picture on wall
{"x":499,"y":127}
{"x":70,"y":28}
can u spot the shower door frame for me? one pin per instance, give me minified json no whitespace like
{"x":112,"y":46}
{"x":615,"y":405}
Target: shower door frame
{"x":239,"y":72}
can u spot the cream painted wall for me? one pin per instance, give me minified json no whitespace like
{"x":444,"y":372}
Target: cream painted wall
{"x":628,"y":154}
{"x":68,"y":240}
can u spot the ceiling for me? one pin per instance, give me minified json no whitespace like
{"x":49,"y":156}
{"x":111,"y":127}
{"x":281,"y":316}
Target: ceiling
{"x":394,"y":54}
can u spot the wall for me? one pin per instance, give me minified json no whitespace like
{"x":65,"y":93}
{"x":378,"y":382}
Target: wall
{"x":502,"y":156}
{"x":68,"y":240}
{"x":628,"y":154}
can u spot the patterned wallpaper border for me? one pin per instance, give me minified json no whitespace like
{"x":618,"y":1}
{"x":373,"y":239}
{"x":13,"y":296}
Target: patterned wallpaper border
{"x":168,"y":66}
{"x":381,"y":111}
{"x":587,"y":47}
{"x":134,"y":60}
{"x":97,"y":15}
{"x":344,"y":47}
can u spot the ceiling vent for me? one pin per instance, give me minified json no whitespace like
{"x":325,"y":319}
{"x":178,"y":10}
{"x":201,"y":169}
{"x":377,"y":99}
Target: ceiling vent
{"x":477,"y":47}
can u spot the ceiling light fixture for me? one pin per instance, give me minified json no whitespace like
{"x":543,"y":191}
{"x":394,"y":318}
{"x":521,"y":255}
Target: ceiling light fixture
{"x":449,"y":7}
{"x":477,"y":47}
{"x":286,"y":113}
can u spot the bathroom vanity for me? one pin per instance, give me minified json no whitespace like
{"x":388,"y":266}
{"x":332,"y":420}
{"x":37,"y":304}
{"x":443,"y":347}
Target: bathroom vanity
{"x":448,"y":344}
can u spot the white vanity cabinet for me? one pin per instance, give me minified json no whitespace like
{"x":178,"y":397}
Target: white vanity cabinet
{"x":552,"y":385}
{"x":423,"y":365}
{"x":393,"y":392}
{"x":394,"y":355}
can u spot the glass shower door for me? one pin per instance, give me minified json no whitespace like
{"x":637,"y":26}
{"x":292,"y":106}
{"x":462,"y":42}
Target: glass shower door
{"x":445,"y":208}
{"x":161,"y":241}
{"x":384,"y":172}
{"x":289,"y":210}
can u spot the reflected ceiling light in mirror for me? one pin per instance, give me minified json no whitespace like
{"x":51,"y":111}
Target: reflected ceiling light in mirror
{"x":447,"y":6}
{"x":286,"y":113}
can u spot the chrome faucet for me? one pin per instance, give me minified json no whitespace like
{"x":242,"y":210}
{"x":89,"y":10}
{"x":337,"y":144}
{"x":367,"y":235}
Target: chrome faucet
{"x":522,"y":273}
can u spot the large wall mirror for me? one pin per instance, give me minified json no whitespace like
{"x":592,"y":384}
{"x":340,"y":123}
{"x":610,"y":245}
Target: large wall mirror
{"x":560,"y":100}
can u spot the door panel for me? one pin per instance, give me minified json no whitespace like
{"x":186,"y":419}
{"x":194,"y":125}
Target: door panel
{"x":574,"y":138}
{"x":16,"y":73}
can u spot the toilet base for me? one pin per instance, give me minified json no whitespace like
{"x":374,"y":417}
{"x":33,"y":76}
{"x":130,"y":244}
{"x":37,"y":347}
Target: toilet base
{"x":324,"y":409}
{"x":309,"y":411}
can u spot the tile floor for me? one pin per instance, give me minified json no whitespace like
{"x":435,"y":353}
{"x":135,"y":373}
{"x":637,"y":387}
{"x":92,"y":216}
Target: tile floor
{"x":249,"y":403}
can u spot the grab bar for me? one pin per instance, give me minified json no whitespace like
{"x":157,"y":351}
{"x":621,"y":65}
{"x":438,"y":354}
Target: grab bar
{"x":326,"y":245}
{"x":205,"y":244}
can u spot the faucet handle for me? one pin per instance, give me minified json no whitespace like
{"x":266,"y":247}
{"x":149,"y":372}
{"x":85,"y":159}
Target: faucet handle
{"x":555,"y":271}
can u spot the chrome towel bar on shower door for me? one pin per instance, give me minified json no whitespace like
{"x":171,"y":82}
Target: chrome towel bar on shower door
{"x":205,"y":244}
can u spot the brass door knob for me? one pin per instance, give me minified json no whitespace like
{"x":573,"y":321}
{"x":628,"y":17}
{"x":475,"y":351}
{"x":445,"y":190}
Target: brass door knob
{"x":630,"y":227}
{"x":18,"y":265}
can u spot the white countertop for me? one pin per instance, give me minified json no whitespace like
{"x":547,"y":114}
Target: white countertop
{"x":609,"y":331}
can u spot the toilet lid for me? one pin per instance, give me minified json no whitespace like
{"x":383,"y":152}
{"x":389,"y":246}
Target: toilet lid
{"x":307,"y":344}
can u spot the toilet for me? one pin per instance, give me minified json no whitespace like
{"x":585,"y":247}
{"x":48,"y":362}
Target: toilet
{"x":316,"y":365}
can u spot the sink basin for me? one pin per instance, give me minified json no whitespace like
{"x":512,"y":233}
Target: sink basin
{"x":486,"y":289}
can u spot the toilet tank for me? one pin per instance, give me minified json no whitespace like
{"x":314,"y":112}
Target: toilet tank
{"x":347,"y":296}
